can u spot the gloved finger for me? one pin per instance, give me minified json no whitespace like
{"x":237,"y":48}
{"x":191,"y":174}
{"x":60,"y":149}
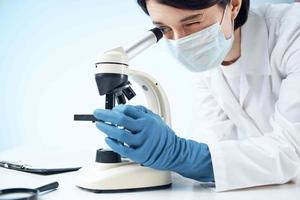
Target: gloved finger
{"x":145,"y":110}
{"x":118,"y":147}
{"x":120,"y":135}
{"x":118,"y":118}
{"x":134,"y":112}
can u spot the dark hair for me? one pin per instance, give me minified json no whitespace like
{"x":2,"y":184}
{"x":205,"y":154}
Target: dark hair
{"x":202,"y":4}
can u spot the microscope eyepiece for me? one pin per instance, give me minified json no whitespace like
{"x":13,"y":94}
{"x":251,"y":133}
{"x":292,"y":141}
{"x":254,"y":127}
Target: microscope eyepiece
{"x":151,"y":37}
{"x":157,"y":32}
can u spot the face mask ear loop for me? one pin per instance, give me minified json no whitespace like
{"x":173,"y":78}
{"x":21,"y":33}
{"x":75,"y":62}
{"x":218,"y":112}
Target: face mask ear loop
{"x":232,"y":24}
{"x":224,"y":14}
{"x":225,"y":11}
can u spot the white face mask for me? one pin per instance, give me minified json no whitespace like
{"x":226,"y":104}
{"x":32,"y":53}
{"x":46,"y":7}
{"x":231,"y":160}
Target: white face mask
{"x":202,"y":50}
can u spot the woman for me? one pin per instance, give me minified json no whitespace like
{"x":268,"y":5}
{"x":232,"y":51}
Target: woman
{"x":247,"y":66}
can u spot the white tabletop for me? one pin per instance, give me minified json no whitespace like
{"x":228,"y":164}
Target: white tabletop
{"x":182,"y":188}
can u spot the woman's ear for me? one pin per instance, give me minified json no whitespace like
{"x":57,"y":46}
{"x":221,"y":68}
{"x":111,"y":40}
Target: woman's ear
{"x":235,"y":6}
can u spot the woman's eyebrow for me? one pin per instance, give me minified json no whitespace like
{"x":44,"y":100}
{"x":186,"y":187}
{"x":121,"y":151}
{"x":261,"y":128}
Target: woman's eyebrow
{"x":188,"y":18}
{"x":157,"y":23}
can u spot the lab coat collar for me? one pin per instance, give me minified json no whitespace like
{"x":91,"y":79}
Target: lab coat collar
{"x":254,"y":46}
{"x":254,"y":53}
{"x":254,"y":62}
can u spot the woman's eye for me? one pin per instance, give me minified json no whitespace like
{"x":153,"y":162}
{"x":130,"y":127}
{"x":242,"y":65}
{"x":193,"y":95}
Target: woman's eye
{"x":165,"y":29}
{"x":193,"y":23}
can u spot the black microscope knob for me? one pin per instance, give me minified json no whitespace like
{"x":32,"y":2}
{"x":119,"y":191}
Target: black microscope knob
{"x":107,"y":156}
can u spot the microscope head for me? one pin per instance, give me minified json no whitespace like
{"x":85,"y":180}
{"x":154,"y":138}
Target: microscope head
{"x":111,"y":77}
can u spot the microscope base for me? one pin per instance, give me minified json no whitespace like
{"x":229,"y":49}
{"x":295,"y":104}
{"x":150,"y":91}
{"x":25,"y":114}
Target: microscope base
{"x":122,"y":177}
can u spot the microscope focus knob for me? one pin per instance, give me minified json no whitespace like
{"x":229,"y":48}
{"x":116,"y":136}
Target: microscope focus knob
{"x":107,"y":156}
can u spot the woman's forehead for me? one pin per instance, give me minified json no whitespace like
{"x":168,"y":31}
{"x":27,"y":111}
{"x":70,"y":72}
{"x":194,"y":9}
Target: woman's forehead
{"x":164,"y":14}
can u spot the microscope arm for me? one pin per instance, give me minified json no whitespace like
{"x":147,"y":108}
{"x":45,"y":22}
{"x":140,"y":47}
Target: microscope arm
{"x":155,"y":95}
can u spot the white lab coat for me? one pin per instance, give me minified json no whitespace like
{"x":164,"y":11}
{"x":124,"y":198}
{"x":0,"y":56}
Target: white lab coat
{"x":254,"y":139}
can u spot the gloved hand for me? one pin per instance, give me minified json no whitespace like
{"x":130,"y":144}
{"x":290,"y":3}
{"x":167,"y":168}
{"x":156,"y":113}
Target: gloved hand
{"x":150,"y":142}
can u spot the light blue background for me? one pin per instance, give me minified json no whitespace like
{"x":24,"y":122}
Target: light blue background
{"x":47,"y":56}
{"x":257,"y":2}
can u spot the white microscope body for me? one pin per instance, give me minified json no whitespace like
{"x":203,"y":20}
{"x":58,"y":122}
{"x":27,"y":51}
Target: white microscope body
{"x":125,"y":174}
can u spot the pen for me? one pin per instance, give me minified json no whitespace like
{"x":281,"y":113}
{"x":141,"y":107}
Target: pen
{"x":11,"y":165}
{"x":30,"y":169}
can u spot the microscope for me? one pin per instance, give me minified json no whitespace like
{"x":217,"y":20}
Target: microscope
{"x":110,"y":172}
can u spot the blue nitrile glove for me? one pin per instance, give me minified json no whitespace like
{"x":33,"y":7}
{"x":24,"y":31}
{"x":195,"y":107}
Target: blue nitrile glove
{"x":152,"y":143}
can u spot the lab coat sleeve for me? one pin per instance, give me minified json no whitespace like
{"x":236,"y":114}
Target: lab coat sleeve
{"x":274,"y":157}
{"x":242,"y":163}
{"x":210,"y":123}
